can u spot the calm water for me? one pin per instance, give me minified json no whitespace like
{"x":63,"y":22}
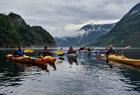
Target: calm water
{"x":91,"y":77}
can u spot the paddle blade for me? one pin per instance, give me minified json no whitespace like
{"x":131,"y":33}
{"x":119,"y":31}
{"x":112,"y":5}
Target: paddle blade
{"x":127,"y":47}
{"x":28,"y":51}
{"x":59,"y":62}
{"x":59,"y":52}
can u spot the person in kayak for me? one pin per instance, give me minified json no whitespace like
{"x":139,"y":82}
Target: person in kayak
{"x":19,"y":52}
{"x":81,"y":48}
{"x":71,"y":55}
{"x":89,"y":49}
{"x":45,"y":52}
{"x":109,"y":50}
{"x":71,"y":50}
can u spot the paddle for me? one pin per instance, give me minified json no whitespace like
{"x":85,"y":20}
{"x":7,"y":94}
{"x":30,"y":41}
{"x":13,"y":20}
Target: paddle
{"x":127,"y":47}
{"x":27,"y":50}
{"x":59,"y":61}
{"x":59,"y":52}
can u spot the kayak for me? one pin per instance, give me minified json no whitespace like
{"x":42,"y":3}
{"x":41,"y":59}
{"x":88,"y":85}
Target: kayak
{"x":72,"y":55}
{"x":31,"y":60}
{"x":85,"y":51}
{"x":122,"y":59}
{"x":101,"y":56}
{"x":72,"y":58}
{"x":125,"y":60}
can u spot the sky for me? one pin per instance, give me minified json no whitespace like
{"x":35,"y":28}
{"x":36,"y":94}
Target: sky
{"x":64,"y":17}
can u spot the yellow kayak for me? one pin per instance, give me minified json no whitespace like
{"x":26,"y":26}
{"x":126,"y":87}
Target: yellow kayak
{"x":122,"y":59}
{"x":125,"y":60}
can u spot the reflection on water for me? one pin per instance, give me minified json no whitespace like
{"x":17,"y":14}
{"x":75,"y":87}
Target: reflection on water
{"x":91,"y":77}
{"x":72,"y":59}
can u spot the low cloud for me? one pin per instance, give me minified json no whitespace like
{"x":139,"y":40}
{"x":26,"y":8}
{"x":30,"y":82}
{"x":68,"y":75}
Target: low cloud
{"x":64,"y":17}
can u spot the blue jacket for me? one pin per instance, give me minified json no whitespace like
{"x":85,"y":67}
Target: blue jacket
{"x":19,"y":52}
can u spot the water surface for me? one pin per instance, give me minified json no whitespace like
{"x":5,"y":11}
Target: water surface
{"x":91,"y":77}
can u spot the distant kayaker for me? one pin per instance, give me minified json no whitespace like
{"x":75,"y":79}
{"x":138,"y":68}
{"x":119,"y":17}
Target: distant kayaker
{"x":45,"y":52}
{"x":89,"y":49}
{"x":82,"y":48}
{"x":19,"y":51}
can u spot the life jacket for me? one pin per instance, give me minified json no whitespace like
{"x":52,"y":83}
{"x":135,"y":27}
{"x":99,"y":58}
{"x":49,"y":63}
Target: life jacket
{"x":19,"y":52}
{"x":71,"y":51}
{"x":45,"y":53}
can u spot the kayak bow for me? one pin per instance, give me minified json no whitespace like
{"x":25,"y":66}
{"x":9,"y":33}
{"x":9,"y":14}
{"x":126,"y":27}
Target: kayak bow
{"x":122,"y":59}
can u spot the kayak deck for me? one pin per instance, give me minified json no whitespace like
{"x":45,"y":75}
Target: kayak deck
{"x":30,"y":60}
{"x":125,"y":60}
{"x":122,"y":59}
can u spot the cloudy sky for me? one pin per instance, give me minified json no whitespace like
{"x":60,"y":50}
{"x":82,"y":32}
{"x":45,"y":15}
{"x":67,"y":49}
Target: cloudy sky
{"x":64,"y":17}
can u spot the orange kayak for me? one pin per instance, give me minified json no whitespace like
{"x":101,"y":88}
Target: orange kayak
{"x":30,"y":60}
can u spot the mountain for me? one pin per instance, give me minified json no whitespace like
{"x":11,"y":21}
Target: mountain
{"x":14,"y":31}
{"x":90,"y":33}
{"x":125,"y":32}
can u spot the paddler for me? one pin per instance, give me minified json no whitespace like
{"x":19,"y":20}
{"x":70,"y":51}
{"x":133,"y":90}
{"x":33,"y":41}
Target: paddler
{"x":45,"y":52}
{"x":19,"y":52}
{"x":72,"y":58}
{"x":71,"y":50}
{"x":109,"y":50}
